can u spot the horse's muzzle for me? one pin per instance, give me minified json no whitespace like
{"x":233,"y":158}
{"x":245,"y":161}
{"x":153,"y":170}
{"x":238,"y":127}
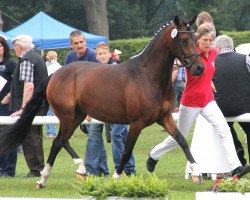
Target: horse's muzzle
{"x":197,"y":70}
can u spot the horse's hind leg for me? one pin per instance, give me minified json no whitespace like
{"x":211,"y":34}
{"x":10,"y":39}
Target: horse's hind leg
{"x":55,"y":149}
{"x":81,"y":171}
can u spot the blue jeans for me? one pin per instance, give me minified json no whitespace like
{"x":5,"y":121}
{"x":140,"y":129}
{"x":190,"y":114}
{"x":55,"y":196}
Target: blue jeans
{"x":7,"y":160}
{"x":51,"y":128}
{"x":179,"y":87}
{"x":119,"y":133}
{"x":95,"y":155}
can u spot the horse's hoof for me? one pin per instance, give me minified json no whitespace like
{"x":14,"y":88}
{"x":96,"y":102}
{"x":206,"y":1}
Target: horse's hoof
{"x":80,"y":177}
{"x":39,"y":186}
{"x":197,"y":179}
{"x":116,"y":176}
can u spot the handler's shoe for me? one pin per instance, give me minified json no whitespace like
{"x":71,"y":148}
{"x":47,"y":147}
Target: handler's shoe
{"x":241,"y":171}
{"x":151,"y":164}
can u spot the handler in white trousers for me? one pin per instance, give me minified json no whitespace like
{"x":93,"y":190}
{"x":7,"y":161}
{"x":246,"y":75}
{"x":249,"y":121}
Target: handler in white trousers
{"x":198,"y":99}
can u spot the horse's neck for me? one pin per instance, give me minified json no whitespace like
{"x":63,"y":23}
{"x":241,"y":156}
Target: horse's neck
{"x":156,"y":60}
{"x":158,"y":63}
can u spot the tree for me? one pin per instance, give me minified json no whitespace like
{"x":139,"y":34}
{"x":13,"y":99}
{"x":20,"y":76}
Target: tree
{"x":127,"y":18}
{"x":1,"y":21}
{"x":234,"y":15}
{"x":96,"y":15}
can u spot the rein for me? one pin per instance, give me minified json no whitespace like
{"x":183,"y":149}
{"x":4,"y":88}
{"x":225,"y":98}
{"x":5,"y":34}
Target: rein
{"x":186,"y":57}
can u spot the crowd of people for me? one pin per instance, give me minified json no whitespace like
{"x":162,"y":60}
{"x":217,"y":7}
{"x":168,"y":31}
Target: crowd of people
{"x":195,"y":95}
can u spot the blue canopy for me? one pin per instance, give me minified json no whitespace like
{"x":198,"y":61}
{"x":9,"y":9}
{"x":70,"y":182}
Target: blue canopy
{"x":48,"y":33}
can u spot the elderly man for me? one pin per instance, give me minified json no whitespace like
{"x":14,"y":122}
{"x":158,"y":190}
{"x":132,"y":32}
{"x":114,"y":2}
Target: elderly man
{"x":30,"y":72}
{"x":232,"y":83}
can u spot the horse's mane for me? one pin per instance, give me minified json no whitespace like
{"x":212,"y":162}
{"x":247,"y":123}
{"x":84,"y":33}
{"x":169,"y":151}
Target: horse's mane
{"x":155,"y":36}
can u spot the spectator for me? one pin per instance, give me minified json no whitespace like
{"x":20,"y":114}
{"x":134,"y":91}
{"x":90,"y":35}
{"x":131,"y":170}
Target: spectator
{"x":119,"y":132}
{"x":179,"y":81}
{"x":31,"y":70}
{"x":203,"y":17}
{"x":7,"y":67}
{"x":80,"y":51}
{"x":232,"y":83}
{"x":52,"y":66}
{"x":198,"y":99}
{"x":95,"y":155}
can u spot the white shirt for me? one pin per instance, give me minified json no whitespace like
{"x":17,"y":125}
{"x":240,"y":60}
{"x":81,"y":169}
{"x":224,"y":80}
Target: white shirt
{"x":52,"y":66}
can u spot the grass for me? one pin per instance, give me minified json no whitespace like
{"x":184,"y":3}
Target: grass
{"x":60,"y":184}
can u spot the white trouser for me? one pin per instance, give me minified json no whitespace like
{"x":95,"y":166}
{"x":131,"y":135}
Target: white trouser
{"x":212,"y":113}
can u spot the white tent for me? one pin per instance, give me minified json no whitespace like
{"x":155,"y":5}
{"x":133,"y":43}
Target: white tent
{"x":243,"y":48}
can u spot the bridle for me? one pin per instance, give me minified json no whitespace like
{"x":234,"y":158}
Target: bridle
{"x":184,"y":56}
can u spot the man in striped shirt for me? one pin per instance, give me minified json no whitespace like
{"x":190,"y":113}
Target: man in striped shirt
{"x":31,"y":70}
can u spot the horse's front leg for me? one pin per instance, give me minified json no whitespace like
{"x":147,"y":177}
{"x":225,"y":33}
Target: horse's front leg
{"x":134,"y":132}
{"x":172,"y":129}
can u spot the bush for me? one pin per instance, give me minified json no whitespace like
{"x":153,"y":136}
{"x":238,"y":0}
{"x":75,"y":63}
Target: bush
{"x":133,"y":186}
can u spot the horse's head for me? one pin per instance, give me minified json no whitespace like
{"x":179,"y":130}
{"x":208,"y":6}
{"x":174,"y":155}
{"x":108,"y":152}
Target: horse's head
{"x":184,"y":47}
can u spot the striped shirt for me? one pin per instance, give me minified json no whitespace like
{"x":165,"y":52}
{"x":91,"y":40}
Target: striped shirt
{"x":26,"y":70}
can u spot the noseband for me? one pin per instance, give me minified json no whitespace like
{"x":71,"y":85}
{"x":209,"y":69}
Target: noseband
{"x":184,"y":56}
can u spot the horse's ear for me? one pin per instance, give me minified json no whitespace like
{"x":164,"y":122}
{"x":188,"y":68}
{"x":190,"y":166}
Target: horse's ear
{"x":177,"y":20}
{"x":192,"y":20}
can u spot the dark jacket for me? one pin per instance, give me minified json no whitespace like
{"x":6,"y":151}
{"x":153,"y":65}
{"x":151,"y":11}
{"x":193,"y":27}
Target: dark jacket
{"x":232,"y":82}
{"x":40,"y":73}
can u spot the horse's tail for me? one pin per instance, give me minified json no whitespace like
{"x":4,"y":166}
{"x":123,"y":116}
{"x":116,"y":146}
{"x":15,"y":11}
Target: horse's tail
{"x":16,"y":133}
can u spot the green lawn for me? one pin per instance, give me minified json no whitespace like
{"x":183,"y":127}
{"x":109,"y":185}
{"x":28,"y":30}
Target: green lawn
{"x":60,"y":184}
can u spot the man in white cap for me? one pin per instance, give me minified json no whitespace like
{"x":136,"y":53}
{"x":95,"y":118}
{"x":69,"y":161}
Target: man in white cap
{"x":30,"y":72}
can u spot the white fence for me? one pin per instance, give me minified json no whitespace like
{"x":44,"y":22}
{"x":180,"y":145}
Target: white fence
{"x":40,"y":120}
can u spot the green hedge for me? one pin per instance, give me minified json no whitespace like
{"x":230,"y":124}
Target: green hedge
{"x":239,"y":37}
{"x":131,"y":47}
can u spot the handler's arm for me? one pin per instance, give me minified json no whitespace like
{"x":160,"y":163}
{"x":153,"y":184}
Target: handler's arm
{"x":27,"y":92}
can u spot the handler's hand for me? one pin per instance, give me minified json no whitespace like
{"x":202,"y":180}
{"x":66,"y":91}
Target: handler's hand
{"x":17,"y":113}
{"x":88,"y":118}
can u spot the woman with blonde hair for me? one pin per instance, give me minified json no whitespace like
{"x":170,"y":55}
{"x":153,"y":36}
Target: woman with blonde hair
{"x":203,"y":17}
{"x":52,"y":66}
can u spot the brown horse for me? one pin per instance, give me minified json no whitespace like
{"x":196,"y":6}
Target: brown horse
{"x":139,"y":93}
